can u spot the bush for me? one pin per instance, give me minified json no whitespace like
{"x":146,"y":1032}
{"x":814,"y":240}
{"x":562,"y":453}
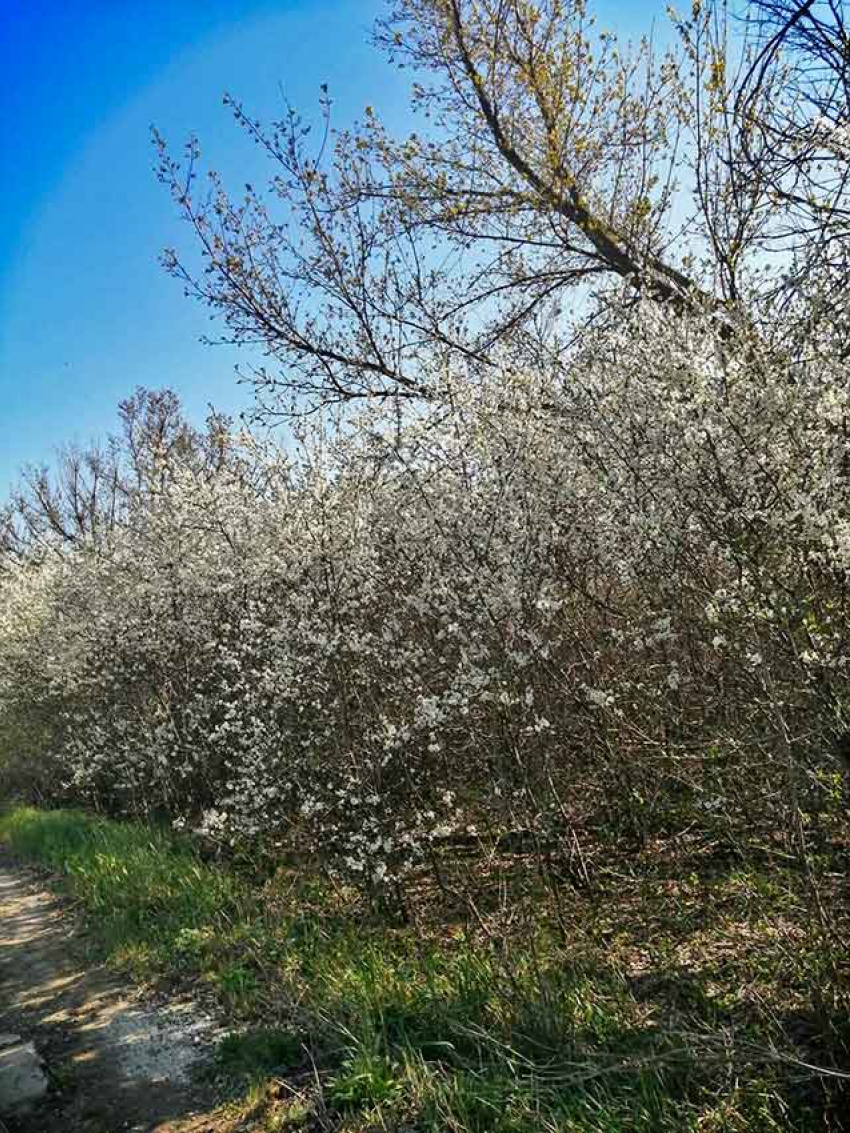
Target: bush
{"x":617,"y":598}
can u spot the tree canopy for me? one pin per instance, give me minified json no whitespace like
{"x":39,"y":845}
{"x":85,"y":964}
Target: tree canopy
{"x":558,"y":173}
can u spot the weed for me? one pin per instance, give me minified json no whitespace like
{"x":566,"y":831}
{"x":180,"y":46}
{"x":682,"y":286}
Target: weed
{"x":265,"y":1050}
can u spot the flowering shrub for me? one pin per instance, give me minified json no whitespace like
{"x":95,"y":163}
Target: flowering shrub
{"x":612,"y":589}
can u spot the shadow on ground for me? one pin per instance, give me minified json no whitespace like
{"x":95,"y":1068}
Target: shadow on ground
{"x":111,"y":1062}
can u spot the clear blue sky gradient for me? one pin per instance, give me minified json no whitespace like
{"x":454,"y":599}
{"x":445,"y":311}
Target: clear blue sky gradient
{"x":86,"y":311}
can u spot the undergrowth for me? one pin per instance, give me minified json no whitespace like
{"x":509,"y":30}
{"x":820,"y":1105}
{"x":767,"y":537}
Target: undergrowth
{"x":678,"y":1000}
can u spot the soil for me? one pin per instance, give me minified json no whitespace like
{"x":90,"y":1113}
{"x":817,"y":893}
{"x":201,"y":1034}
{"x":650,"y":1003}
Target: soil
{"x":102,"y":1058}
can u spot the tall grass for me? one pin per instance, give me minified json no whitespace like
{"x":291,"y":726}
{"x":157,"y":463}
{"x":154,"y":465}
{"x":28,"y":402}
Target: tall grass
{"x":436,"y":1029}
{"x":137,"y":885}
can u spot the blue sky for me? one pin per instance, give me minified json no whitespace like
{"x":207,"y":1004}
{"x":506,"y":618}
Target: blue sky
{"x":86,"y":311}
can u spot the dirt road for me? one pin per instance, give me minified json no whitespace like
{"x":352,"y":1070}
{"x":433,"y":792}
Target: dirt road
{"x":79,"y":1052}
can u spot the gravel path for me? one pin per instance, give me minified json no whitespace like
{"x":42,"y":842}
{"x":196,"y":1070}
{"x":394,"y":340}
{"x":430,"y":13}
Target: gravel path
{"x":79,"y":1052}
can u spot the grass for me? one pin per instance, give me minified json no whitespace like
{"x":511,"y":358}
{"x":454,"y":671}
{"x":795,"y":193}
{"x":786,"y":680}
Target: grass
{"x":674,"y":998}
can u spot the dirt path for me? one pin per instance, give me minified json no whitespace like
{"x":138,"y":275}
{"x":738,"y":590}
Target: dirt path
{"x":102,"y":1060}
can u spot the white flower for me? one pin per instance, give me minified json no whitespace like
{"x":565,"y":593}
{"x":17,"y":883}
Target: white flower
{"x":599,"y":697}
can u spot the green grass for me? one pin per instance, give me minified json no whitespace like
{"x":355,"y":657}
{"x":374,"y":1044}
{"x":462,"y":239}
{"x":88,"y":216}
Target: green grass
{"x":256,"y":1053}
{"x":143,"y":892}
{"x":625,"y":1027}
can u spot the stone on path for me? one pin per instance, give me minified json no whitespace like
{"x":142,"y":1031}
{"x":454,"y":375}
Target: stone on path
{"x":22,"y":1079}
